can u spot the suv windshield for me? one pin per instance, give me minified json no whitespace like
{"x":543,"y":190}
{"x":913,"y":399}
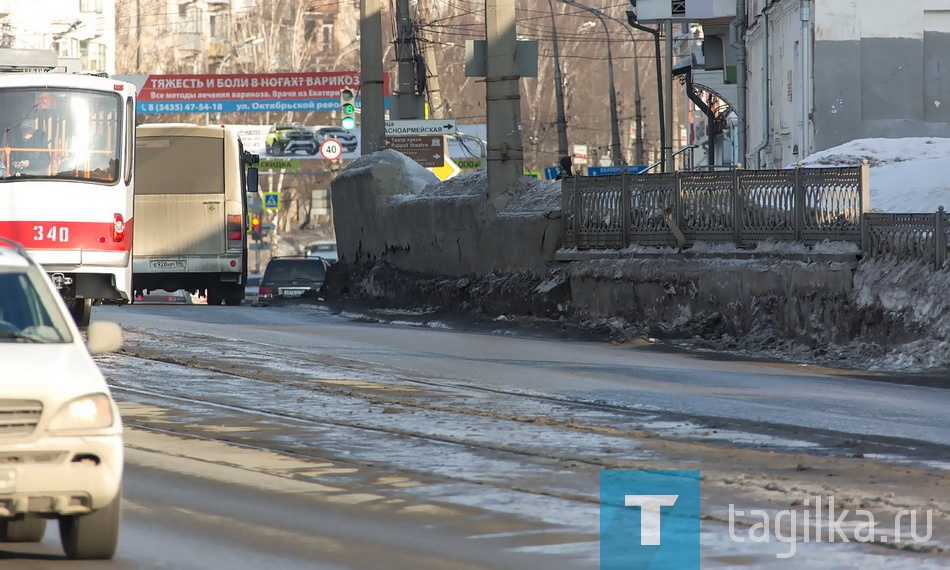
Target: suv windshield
{"x":283,"y":270}
{"x":24,"y":313}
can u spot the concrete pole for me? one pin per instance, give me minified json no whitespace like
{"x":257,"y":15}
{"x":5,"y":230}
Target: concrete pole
{"x":616,"y":153}
{"x":562,"y":150}
{"x":373,"y":121}
{"x":739,"y":45}
{"x":438,"y":108}
{"x":668,"y":79}
{"x":406,"y":107}
{"x":502,"y":98}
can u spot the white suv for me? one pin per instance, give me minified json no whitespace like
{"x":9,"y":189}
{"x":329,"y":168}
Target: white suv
{"x":60,"y":431}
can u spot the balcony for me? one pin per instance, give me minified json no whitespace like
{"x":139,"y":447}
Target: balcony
{"x":218,"y":49}
{"x":189,"y":42}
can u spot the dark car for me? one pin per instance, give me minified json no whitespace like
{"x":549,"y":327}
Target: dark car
{"x":347,"y":140}
{"x":291,"y":278}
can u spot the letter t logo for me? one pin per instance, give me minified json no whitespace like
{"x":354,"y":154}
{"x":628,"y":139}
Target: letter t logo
{"x":650,"y":514}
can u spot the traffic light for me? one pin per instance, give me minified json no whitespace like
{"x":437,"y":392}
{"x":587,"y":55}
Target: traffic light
{"x":348,"y":108}
{"x":256,"y":227}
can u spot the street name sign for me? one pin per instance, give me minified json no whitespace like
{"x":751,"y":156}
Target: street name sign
{"x":427,"y":151}
{"x":614,"y":170}
{"x":421,"y":127}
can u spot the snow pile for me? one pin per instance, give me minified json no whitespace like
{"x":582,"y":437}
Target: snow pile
{"x":907,"y":175}
{"x":531,"y":196}
{"x":415,"y":178}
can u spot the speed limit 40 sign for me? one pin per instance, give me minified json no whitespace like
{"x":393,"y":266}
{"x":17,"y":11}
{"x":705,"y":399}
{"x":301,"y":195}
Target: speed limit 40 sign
{"x":331,"y":149}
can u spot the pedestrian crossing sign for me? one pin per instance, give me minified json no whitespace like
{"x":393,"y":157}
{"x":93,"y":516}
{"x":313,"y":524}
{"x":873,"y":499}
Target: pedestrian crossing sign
{"x":271,"y":201}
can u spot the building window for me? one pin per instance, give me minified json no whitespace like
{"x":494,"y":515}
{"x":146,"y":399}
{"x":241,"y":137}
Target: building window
{"x":218,"y":27}
{"x":189,"y":19}
{"x":309,"y":28}
{"x":90,"y":6}
{"x":327,"y":37}
{"x":63,"y":48}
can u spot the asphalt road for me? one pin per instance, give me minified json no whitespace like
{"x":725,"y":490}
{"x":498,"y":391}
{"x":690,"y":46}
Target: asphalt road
{"x":291,"y":437}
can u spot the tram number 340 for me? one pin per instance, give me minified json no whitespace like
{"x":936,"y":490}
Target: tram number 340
{"x":52,"y":233}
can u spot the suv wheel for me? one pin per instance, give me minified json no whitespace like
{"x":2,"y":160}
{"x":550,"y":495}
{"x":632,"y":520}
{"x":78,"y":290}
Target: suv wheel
{"x":93,"y":536}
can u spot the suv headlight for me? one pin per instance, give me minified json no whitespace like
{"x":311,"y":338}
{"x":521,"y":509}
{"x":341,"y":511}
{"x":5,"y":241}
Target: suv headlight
{"x":91,"y":411}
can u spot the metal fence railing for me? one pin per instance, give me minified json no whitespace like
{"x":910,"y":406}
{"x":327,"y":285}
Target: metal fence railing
{"x":744,"y":207}
{"x":922,"y":237}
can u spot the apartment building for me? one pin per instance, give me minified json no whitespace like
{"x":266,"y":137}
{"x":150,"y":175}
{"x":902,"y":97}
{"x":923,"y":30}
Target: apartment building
{"x":83,"y":29}
{"x":231,"y":36}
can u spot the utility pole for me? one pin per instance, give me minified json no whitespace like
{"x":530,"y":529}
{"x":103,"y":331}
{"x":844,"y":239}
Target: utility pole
{"x":438,"y":108}
{"x":373,"y":121}
{"x":407,"y":102}
{"x":558,"y":92}
{"x":502,"y":98}
{"x":632,"y":20}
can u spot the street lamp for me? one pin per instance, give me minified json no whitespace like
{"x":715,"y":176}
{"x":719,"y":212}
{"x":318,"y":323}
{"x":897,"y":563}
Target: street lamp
{"x":615,"y":153}
{"x":558,"y":93}
{"x":637,"y":103}
{"x":234,"y":50}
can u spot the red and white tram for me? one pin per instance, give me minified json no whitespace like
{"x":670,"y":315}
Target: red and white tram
{"x":66,"y":175}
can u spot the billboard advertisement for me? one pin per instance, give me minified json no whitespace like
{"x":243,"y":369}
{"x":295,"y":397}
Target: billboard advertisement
{"x":245,"y":93}
{"x":294,"y":141}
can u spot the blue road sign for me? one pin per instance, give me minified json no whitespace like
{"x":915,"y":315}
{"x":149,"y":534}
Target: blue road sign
{"x":613,"y":170}
{"x":551,"y":172}
{"x":271,"y":201}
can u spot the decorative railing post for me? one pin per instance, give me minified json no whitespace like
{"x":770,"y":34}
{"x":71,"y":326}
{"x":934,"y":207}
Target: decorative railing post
{"x":678,"y":213}
{"x":940,"y":238}
{"x":567,"y":210}
{"x":577,"y":213}
{"x":625,"y":209}
{"x":799,"y":209}
{"x":737,"y":203}
{"x":865,"y":235}
{"x":865,"y":186}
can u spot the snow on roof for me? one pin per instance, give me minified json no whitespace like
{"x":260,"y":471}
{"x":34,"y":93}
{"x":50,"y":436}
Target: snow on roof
{"x":907,"y":175}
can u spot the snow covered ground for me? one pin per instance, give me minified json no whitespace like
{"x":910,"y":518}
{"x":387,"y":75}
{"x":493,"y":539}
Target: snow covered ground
{"x":907,"y":175}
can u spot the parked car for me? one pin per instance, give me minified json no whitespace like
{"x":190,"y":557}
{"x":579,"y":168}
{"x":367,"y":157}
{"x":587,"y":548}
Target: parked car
{"x":288,"y":139}
{"x":324,"y":249}
{"x":61,"y":433}
{"x":347,"y":139}
{"x":291,"y":278}
{"x":251,"y":287}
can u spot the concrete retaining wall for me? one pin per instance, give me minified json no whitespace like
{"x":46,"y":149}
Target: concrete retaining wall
{"x":387,"y":208}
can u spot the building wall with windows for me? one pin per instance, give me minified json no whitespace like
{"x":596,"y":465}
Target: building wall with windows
{"x":822,"y":73}
{"x":83,"y":29}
